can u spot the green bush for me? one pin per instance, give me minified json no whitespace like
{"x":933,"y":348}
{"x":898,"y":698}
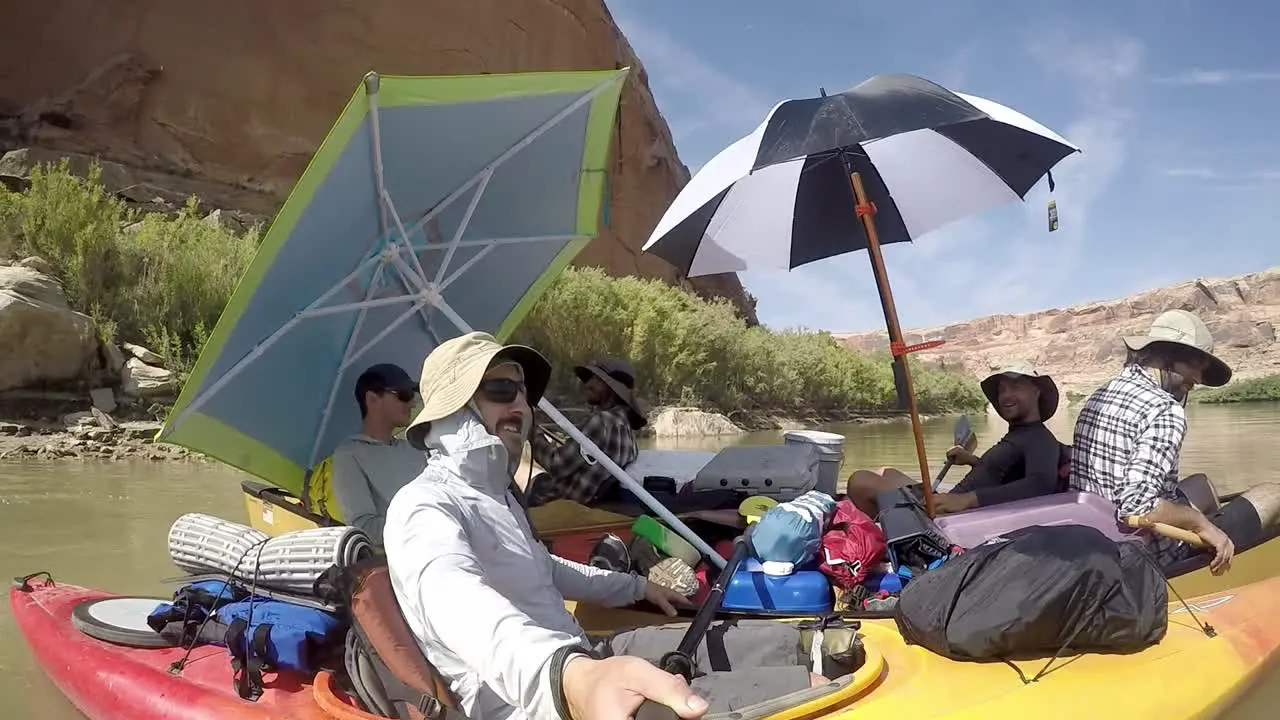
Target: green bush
{"x":163,"y":281}
{"x":1258,"y":389}
{"x":152,"y":279}
{"x":690,"y":351}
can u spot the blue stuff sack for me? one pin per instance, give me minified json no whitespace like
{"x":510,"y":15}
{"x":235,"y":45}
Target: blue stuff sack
{"x":791,"y":532}
{"x":186,"y":621}
{"x":281,"y":635}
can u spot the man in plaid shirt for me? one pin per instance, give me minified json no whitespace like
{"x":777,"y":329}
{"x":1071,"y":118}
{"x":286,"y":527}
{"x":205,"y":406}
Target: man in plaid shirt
{"x":571,"y":474}
{"x":1129,"y":434}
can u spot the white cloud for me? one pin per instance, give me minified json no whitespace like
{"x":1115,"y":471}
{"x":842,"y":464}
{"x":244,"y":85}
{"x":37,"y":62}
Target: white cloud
{"x":1098,"y":72}
{"x":1219,"y":77}
{"x":1235,"y":179}
{"x":969,"y":268}
{"x":693,"y":93}
{"x":1196,"y":173}
{"x":956,"y":70}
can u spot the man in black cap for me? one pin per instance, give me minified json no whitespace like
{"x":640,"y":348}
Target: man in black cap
{"x":372,"y":465}
{"x":571,"y":474}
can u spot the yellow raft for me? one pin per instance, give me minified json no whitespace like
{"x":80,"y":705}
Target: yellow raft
{"x":1187,"y":675}
{"x":1235,"y":673}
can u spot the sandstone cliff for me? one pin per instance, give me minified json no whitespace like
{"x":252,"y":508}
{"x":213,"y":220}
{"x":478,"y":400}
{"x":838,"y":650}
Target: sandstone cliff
{"x":1080,"y":345}
{"x":231,"y":101}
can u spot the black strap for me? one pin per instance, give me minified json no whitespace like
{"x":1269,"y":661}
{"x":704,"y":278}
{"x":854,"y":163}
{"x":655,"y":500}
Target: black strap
{"x":246,"y":666}
{"x":258,"y":648}
{"x":717,"y":655}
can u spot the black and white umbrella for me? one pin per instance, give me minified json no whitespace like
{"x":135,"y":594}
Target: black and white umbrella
{"x":888,"y":161}
{"x":781,"y":196}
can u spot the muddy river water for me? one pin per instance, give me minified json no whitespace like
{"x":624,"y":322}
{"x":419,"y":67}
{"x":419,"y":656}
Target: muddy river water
{"x":104,"y":525}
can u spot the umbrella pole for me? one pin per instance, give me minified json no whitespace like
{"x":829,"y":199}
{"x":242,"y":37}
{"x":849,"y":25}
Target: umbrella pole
{"x":866,"y":211}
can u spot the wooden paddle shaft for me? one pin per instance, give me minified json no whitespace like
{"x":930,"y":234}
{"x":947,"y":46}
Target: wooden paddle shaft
{"x":895,"y":332}
{"x":1169,"y":531}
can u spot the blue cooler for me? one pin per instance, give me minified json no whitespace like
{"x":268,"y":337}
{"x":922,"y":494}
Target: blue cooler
{"x":803,"y":591}
{"x":890,"y":582}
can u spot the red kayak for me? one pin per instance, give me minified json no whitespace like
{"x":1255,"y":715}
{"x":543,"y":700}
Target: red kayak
{"x":107,"y":680}
{"x":114,"y":682}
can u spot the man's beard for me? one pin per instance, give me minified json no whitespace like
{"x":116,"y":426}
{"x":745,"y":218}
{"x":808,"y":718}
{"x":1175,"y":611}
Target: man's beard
{"x":1175,"y":384}
{"x":514,"y":446}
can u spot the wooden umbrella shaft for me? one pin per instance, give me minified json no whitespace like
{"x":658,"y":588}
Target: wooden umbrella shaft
{"x":866,"y":212}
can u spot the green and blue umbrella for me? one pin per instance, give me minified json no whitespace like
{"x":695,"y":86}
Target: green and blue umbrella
{"x":435,"y":205}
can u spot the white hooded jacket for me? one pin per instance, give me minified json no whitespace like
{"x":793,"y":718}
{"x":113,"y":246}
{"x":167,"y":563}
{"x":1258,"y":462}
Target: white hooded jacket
{"x":484,"y":599}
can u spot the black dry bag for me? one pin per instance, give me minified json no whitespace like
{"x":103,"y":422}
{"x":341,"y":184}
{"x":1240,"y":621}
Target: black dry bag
{"x":1038,"y":592}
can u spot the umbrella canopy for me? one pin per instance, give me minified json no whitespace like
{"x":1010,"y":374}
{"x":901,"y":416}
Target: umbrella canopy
{"x":888,"y":161}
{"x":780,"y":197}
{"x":434,"y":206}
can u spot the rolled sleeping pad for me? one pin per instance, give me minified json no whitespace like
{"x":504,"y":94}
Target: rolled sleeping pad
{"x":292,"y":562}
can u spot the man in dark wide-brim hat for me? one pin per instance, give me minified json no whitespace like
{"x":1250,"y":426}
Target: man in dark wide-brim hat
{"x":1023,"y":464}
{"x":609,"y":385}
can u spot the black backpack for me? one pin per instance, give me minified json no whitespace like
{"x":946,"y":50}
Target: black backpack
{"x":1038,"y":592}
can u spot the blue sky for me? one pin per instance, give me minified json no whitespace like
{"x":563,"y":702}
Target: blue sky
{"x":1174,"y":103}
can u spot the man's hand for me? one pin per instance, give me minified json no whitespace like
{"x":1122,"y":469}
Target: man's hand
{"x":1223,"y":548}
{"x":614,"y":688}
{"x":665,"y":598}
{"x":959,"y":456}
{"x":1189,"y":518}
{"x":947,"y":503}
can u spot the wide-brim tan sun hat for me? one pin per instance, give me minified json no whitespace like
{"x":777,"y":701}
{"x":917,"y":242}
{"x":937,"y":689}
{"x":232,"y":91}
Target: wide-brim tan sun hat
{"x":1020,"y":368}
{"x":1180,"y":327}
{"x":453,"y":371}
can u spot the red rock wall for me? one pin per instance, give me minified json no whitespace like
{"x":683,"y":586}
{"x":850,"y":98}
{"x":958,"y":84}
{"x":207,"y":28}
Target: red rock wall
{"x":241,"y":92}
{"x":1080,"y":345}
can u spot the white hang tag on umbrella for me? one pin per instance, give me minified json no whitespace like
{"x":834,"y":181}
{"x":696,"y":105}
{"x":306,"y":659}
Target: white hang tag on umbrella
{"x":1053,"y":205}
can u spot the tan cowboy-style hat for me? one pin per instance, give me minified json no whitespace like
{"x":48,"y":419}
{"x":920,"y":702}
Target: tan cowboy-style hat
{"x":621,"y":379}
{"x":1180,"y":327}
{"x":453,"y":371}
{"x":1022,"y":368}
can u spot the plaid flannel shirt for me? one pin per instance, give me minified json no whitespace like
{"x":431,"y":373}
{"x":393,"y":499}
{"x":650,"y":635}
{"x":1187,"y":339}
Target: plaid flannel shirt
{"x":1126,"y":445}
{"x":574,"y":475}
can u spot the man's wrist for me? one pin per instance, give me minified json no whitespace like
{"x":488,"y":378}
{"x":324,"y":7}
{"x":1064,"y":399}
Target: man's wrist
{"x":562,"y":660}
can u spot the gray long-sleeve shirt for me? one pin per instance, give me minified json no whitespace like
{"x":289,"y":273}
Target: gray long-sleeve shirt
{"x":367,"y":473}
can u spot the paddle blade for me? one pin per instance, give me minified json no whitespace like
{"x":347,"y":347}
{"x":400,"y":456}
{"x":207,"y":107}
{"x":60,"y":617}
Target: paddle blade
{"x":962,"y":431}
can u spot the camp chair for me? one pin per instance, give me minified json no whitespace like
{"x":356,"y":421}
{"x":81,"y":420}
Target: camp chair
{"x":387,"y":670}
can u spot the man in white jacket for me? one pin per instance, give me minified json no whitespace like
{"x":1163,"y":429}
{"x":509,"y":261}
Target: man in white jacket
{"x":483,"y":597}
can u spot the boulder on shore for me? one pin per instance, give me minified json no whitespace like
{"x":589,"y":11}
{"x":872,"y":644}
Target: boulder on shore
{"x":147,"y":356}
{"x":691,"y":422}
{"x":44,"y":340}
{"x":141,"y":380}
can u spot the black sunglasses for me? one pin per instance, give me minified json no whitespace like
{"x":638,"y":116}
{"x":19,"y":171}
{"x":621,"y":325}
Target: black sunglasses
{"x":502,"y":390}
{"x":403,"y":396}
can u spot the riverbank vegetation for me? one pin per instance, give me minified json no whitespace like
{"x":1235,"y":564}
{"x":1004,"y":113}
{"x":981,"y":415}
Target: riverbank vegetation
{"x":149,"y":278}
{"x":690,"y":351}
{"x":162,"y":280}
{"x":1256,"y":389}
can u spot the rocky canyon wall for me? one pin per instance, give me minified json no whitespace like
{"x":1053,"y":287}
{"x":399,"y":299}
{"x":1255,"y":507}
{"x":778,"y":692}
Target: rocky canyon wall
{"x":230,"y":99}
{"x":1080,"y":345}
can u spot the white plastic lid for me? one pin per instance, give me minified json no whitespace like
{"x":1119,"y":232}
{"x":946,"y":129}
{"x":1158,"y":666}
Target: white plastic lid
{"x":817,"y":437}
{"x":776,"y":568}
